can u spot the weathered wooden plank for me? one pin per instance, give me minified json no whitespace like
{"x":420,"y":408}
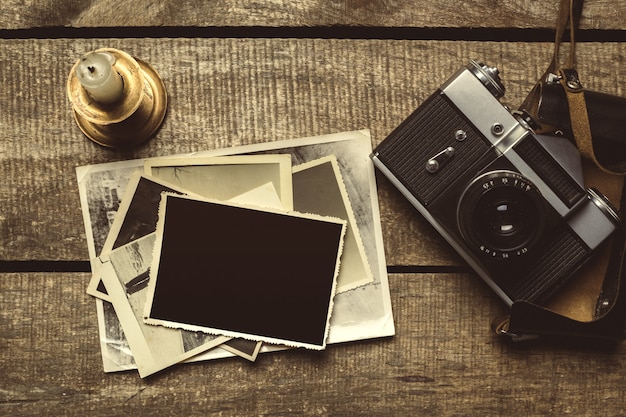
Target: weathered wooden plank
{"x":226,"y":92}
{"x":443,"y":361}
{"x":598,"y":14}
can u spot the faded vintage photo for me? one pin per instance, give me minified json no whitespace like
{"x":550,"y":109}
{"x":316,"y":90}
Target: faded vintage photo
{"x":258,"y":274}
{"x":124,"y":272}
{"x":225,"y":177}
{"x":136,"y":216}
{"x":362,"y":313}
{"x":318,"y":188}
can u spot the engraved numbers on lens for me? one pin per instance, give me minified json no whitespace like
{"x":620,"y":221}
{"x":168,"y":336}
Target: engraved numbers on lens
{"x":501,"y":213}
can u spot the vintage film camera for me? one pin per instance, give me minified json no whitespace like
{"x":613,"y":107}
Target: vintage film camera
{"x":511,"y":202}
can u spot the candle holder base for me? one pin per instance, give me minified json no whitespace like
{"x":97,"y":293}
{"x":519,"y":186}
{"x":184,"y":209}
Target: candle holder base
{"x":134,"y":118}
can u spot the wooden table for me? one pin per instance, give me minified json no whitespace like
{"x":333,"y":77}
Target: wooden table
{"x":247,"y":72}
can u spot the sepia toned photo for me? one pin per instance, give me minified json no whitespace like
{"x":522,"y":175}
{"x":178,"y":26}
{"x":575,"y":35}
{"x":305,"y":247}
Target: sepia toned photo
{"x":225,"y":177}
{"x":258,"y":274}
{"x":135,"y":217}
{"x":358,"y":314}
{"x":318,"y":188}
{"x":364,"y":312}
{"x":124,"y":271}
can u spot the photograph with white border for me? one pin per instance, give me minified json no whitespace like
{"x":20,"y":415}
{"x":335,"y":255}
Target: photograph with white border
{"x":255,"y":273}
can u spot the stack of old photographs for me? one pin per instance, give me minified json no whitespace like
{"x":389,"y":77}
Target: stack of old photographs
{"x":235,"y":251}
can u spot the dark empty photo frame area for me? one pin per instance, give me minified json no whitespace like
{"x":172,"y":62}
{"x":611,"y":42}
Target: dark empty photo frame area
{"x":245,"y":272}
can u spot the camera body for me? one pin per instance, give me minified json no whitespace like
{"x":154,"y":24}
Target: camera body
{"x":512,"y":203}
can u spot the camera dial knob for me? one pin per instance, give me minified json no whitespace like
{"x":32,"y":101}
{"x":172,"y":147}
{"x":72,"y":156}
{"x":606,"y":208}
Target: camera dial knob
{"x":489,"y":76}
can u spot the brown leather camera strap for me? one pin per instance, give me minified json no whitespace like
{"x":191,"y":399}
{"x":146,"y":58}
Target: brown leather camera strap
{"x":570,"y":12}
{"x":579,"y":117}
{"x":569,"y":15}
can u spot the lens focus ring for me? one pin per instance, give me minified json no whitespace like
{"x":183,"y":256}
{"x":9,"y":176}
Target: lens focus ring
{"x":501,"y":214}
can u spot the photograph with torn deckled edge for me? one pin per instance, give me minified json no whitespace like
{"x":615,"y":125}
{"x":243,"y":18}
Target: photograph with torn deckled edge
{"x":318,"y":188}
{"x":225,"y":177}
{"x":361,"y":314}
{"x":124,"y":272}
{"x":241,"y":174}
{"x":242,"y":347}
{"x":365,"y":312}
{"x":136,"y":217}
{"x":114,"y":347}
{"x":138,"y":213}
{"x":101,"y":188}
{"x":281,"y":265}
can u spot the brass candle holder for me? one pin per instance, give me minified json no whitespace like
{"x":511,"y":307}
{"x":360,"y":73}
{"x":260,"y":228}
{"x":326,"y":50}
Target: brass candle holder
{"x":116,"y":118}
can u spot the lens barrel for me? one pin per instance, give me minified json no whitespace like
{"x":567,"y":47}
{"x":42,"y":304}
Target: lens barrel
{"x":501,"y":214}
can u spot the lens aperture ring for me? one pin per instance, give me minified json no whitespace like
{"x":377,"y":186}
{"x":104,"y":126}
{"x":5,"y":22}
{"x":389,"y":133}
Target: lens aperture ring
{"x":501,"y":214}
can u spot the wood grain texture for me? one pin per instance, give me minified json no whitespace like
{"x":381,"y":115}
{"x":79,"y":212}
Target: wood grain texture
{"x":443,"y":361}
{"x":227,"y":92}
{"x":598,"y":14}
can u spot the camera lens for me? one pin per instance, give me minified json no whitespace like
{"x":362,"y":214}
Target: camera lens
{"x":501,"y":214}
